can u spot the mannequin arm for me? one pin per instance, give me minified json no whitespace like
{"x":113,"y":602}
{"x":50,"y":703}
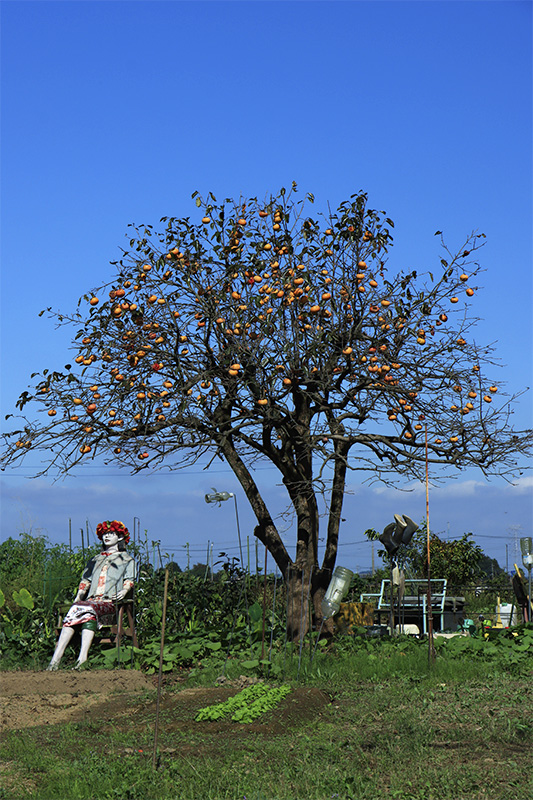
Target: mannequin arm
{"x":83,"y":588}
{"x":127,"y":585}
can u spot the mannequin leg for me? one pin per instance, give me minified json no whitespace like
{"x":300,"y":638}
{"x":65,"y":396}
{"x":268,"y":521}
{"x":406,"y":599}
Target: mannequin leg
{"x":87,"y":636}
{"x":64,"y":638}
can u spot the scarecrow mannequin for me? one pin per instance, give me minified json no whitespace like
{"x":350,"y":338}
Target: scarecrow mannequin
{"x":106,"y":580}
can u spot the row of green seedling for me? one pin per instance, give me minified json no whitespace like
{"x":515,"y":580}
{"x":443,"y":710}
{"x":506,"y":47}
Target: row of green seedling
{"x":246,"y":706}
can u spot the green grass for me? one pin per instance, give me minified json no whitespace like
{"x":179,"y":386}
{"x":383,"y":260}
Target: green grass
{"x":392,"y":729}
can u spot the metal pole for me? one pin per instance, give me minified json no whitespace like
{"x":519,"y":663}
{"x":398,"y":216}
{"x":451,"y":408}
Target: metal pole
{"x":135,"y":521}
{"x":530,"y":600}
{"x":207,"y":562}
{"x":238,"y":529}
{"x":242,"y":563}
{"x":156,"y":731}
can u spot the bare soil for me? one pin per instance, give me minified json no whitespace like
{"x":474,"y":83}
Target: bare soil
{"x":50,"y":698}
{"x":31,"y":699}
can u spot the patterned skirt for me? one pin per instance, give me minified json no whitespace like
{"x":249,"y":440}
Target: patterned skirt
{"x":103,"y":611}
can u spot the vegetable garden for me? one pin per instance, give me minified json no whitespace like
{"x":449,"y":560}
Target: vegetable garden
{"x":245,"y":713}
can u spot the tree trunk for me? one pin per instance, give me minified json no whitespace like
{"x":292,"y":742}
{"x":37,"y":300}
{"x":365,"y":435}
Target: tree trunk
{"x":305,"y":590}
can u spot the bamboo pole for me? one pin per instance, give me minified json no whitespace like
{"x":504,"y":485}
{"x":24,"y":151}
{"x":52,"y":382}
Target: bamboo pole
{"x":156,"y":731}
{"x":431,"y":646}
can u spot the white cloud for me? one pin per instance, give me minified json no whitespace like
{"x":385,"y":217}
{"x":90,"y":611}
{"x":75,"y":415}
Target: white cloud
{"x":524,"y":484}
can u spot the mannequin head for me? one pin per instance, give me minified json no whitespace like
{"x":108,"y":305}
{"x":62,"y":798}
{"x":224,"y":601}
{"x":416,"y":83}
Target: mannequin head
{"x":112,"y":541}
{"x":113,"y":534}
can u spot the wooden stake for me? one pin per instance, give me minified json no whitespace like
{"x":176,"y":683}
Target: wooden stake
{"x":264,"y":605}
{"x":156,"y":732}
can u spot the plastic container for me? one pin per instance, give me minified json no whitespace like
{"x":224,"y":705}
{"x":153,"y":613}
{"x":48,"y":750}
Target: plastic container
{"x":505,"y":614}
{"x":336,"y":590}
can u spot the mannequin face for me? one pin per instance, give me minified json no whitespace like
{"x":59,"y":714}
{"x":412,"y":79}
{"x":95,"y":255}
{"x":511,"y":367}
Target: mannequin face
{"x":110,"y":540}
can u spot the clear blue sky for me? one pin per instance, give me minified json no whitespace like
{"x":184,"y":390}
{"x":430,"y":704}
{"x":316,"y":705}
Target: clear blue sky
{"x":115,"y":112}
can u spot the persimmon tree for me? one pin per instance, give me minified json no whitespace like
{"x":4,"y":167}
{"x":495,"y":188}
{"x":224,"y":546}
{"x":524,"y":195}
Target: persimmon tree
{"x":256,"y":331}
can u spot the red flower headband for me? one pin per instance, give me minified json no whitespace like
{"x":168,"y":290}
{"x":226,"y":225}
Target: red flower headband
{"x":113,"y":526}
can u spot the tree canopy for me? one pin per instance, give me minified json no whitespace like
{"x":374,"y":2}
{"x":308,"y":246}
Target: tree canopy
{"x":257,"y":331}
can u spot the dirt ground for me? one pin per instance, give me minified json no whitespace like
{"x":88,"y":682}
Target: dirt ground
{"x":49,"y":698}
{"x":30,"y":699}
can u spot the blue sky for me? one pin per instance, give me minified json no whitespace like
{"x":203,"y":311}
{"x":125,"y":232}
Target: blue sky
{"x":115,"y":112}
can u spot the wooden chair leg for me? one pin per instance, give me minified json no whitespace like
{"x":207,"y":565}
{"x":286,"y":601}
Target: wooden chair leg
{"x":131,"y":623}
{"x":130,"y":630}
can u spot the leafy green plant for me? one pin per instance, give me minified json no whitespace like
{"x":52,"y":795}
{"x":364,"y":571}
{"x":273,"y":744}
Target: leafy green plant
{"x":511,"y":648}
{"x":267,"y":702}
{"x":27,"y":632}
{"x":246,"y":706}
